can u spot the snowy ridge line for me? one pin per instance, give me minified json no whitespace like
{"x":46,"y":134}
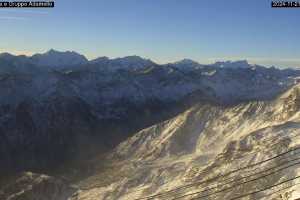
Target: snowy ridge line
{"x":228,"y":173}
{"x":242,"y":183}
{"x":268,"y":188}
{"x":265,"y":140}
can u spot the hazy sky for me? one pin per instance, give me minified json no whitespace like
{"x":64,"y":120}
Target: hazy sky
{"x":163,"y":30}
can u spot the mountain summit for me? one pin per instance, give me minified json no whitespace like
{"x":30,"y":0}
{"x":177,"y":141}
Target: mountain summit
{"x":187,"y":64}
{"x":53,"y":58}
{"x":233,"y":64}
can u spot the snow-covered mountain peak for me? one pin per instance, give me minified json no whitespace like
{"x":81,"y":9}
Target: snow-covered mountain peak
{"x":187,"y":64}
{"x":133,"y":59}
{"x":134,"y":62}
{"x":52,"y":51}
{"x":11,"y":57}
{"x":187,"y":61}
{"x":100,"y":60}
{"x":10,"y":63}
{"x":240,"y":64}
{"x":6,"y":55}
{"x":54,"y":58}
{"x":56,"y":52}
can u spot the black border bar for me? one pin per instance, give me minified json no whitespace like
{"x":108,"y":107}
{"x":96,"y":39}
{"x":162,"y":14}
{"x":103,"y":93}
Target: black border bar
{"x":26,"y":4}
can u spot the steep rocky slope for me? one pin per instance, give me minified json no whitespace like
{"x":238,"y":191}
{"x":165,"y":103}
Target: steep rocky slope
{"x":246,"y":151}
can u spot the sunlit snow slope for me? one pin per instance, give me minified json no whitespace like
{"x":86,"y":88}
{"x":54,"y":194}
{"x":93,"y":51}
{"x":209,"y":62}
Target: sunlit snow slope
{"x":247,"y":151}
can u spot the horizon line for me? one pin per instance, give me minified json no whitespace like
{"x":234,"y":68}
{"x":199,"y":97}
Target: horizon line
{"x":209,"y":61}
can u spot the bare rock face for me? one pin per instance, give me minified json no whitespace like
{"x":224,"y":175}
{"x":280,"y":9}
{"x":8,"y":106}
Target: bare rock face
{"x":30,"y":186}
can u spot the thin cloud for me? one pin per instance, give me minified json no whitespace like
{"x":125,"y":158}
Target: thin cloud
{"x":12,"y":18}
{"x":26,"y":11}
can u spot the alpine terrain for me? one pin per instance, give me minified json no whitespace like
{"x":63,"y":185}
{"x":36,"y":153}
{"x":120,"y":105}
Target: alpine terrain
{"x":129,"y":128}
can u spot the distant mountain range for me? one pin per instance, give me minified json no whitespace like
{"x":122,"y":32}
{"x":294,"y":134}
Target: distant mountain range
{"x":59,"y":108}
{"x":57,"y":59}
{"x":54,"y":59}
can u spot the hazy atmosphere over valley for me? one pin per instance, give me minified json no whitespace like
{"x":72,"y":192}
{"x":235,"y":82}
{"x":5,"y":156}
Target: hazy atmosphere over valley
{"x":140,"y":100}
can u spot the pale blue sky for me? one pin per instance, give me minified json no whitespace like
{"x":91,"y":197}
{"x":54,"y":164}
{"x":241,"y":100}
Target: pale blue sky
{"x":163,"y":30}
